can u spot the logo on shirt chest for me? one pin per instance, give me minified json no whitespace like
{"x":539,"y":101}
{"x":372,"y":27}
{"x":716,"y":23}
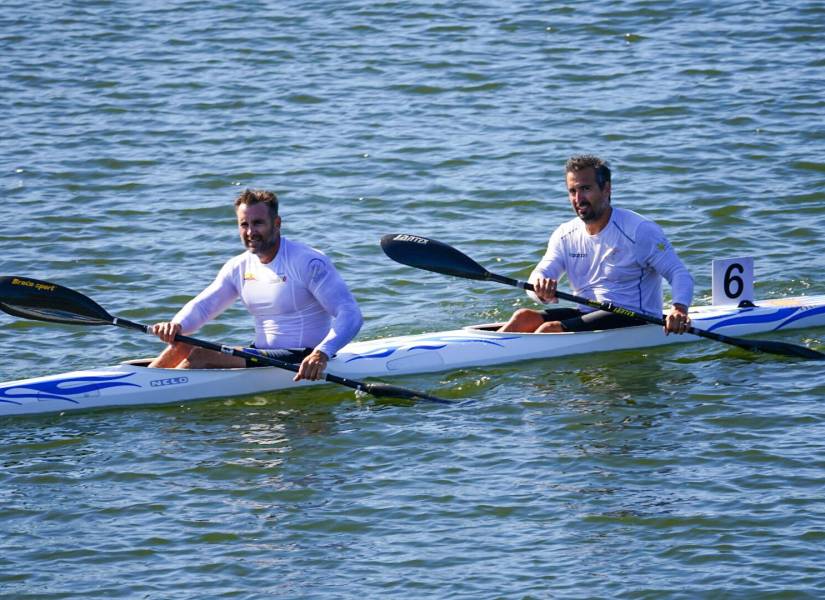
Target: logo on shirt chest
{"x":612,"y":253}
{"x":269,"y":278}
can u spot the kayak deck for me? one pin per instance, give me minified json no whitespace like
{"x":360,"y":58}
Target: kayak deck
{"x":483,"y":345}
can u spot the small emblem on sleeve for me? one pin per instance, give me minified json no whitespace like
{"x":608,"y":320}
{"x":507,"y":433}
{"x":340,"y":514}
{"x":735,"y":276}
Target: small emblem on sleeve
{"x":317,"y":269}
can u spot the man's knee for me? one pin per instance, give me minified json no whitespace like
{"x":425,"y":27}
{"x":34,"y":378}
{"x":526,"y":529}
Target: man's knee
{"x":172,"y":356}
{"x":200,"y":358}
{"x":525,"y":320}
{"x":550,"y":327}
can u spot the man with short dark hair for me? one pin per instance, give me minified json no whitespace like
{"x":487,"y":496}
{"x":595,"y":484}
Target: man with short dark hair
{"x":303,"y":310}
{"x":609,"y":254}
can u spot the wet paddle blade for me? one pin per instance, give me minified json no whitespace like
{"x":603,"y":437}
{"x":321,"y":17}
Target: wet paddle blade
{"x":431,"y":255}
{"x":781,"y":348}
{"x":44,"y":301}
{"x":385,"y":390}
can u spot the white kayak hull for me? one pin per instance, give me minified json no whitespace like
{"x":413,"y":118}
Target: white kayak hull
{"x":130,"y":384}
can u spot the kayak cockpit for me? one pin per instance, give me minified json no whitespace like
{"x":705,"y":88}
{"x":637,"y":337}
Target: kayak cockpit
{"x":484,"y":327}
{"x":138,"y":362}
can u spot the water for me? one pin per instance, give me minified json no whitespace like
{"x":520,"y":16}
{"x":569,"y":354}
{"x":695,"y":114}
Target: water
{"x":128,"y":128}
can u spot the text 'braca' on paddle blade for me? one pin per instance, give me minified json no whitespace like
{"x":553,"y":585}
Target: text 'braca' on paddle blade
{"x":38,"y":300}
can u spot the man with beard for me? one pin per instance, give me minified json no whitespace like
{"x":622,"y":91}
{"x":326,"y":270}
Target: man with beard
{"x":303,"y":310}
{"x":610,"y":255}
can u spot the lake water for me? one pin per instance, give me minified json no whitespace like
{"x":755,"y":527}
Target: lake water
{"x":681,"y":472}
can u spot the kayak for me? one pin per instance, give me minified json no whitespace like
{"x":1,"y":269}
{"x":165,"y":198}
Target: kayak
{"x":132,"y":383}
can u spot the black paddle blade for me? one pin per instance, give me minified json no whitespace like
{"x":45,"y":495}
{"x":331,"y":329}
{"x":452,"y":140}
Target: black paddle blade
{"x":43,"y":301}
{"x":431,"y":255}
{"x":386,"y":390}
{"x":781,"y":348}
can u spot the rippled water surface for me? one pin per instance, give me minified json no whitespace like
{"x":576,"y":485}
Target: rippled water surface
{"x":128,"y":128}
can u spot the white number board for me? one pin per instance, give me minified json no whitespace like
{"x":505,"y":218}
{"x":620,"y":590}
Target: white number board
{"x":732,"y":280}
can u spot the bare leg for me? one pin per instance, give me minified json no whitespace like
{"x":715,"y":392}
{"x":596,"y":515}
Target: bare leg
{"x":172,"y":356}
{"x":550,"y":327}
{"x":201,"y":358}
{"x":524,"y":320}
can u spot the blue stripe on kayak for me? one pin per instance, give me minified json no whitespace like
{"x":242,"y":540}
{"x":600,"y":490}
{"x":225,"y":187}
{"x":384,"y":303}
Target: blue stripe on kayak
{"x":803,"y":313}
{"x":433,"y":343}
{"x":744,"y":319}
{"x":50,"y":390}
{"x":783,"y":317}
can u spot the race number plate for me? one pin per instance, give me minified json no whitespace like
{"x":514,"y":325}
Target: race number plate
{"x":732,"y":280}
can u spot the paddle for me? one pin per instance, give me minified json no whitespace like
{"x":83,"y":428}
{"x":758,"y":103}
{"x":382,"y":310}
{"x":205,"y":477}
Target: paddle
{"x":43,"y":301}
{"x":431,"y":255}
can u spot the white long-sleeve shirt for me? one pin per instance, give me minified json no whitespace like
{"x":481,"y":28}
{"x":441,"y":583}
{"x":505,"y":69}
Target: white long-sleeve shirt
{"x":298,"y":300}
{"x":624,"y":263}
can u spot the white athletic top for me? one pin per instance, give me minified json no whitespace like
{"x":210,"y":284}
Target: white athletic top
{"x":298,"y":300}
{"x":624,"y":263}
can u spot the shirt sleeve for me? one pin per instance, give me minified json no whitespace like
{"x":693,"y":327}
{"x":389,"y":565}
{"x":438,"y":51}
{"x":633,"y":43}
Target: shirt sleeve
{"x":334,"y":296}
{"x":211,"y":302}
{"x":655,"y":251}
{"x":552,"y":264}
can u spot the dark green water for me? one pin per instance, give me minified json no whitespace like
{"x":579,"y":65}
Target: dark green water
{"x":688,"y":472}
